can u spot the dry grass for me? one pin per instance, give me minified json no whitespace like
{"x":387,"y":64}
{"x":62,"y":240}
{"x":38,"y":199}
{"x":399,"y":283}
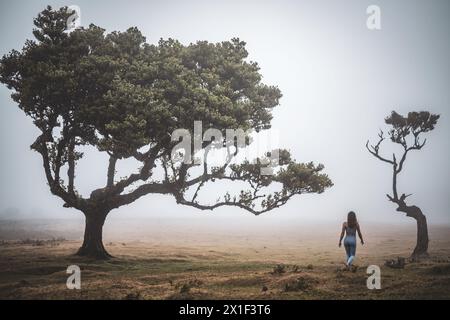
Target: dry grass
{"x":238,"y":269}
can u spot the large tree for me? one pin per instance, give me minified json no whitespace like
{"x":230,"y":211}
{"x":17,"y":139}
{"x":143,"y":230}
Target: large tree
{"x":406,"y":132}
{"x":126,"y":97}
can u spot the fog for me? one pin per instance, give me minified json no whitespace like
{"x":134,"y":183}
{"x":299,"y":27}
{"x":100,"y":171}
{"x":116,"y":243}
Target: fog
{"x":339,"y":81}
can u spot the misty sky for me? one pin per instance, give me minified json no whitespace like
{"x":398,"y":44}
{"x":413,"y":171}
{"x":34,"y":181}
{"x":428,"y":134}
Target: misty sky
{"x":339,"y":80}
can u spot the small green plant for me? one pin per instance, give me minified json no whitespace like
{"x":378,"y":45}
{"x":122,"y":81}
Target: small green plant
{"x":296,"y":269}
{"x":185,"y":287}
{"x":279,"y":269}
{"x":300,"y":284}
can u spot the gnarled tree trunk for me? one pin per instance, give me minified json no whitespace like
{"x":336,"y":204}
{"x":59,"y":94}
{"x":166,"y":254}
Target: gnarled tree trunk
{"x":421,"y":249}
{"x":92,"y":244}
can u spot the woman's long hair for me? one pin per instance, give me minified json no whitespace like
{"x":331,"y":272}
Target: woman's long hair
{"x":351,"y":219}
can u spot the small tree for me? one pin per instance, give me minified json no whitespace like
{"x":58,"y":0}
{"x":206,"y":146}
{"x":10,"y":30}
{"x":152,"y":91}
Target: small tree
{"x":406,"y":132}
{"x":125,"y":97}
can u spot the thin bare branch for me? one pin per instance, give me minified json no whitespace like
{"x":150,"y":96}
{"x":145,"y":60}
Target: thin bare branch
{"x":374,"y":150}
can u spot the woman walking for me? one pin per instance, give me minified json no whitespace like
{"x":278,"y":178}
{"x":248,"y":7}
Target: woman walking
{"x":349,"y":229}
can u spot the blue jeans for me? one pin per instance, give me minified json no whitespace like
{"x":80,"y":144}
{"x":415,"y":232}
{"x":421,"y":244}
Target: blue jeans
{"x":350,"y":248}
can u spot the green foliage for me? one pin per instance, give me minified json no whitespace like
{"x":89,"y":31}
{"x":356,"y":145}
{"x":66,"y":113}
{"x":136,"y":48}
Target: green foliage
{"x":414,"y":123}
{"x":120,"y":94}
{"x":303,"y":178}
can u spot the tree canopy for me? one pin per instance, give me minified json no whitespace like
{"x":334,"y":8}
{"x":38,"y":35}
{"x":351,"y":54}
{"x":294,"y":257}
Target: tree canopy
{"x":124,"y":96}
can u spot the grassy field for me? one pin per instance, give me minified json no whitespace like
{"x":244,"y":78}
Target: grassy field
{"x":223,"y":265}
